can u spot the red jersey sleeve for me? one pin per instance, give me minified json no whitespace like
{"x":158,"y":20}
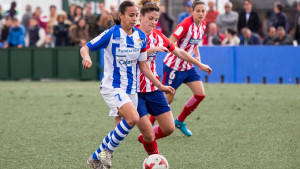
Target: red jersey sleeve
{"x":166,"y":42}
{"x":183,"y":27}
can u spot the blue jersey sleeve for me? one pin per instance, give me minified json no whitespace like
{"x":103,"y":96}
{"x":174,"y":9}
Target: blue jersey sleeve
{"x":144,"y":45}
{"x":143,"y":38}
{"x":143,"y":53}
{"x":100,"y":41}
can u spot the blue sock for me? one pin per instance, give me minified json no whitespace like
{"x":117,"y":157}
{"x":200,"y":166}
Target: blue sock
{"x":102,"y":146}
{"x":120,"y":132}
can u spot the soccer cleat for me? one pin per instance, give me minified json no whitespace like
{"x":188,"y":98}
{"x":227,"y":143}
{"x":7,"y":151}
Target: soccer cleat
{"x":94,"y":163}
{"x":182,"y":127}
{"x":105,"y":158}
{"x":140,"y":138}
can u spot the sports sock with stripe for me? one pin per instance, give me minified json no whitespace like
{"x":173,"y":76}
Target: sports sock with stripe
{"x":118,"y":135}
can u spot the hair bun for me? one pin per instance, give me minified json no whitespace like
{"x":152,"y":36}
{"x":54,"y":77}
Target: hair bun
{"x":143,"y":2}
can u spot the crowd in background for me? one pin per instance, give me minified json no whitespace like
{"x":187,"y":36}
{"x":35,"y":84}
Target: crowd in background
{"x":80,"y":25}
{"x":74,"y":28}
{"x":232,"y":28}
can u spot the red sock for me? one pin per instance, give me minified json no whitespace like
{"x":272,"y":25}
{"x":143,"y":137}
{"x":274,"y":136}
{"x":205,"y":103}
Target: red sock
{"x":158,"y":133}
{"x":152,"y":119}
{"x":190,"y":106}
{"x":151,"y":147}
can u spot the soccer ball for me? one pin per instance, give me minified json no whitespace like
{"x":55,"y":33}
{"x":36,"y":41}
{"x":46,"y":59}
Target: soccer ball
{"x":155,"y":161}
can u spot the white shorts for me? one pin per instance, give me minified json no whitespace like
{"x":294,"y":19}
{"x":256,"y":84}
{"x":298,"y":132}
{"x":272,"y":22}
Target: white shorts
{"x":116,"y":98}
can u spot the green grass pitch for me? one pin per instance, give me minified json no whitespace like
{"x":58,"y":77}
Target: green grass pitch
{"x":53,"y":125}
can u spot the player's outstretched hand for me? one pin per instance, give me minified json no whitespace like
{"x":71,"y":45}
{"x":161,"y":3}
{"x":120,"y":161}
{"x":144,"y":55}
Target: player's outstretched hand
{"x":166,"y":89}
{"x":206,"y":68}
{"x":86,"y":63}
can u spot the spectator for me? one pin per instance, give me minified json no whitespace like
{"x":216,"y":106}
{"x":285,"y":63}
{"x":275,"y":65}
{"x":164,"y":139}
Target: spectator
{"x":187,"y":13}
{"x":165,"y":22}
{"x":61,"y":32}
{"x":249,"y":18}
{"x":71,"y":13}
{"x":282,"y":38}
{"x":231,"y":38}
{"x":78,"y":14}
{"x":67,"y":21}
{"x":101,"y":6}
{"x":41,"y":19}
{"x":35,"y":35}
{"x":297,"y":24}
{"x":227,"y":20}
{"x":26,"y":17}
{"x":249,"y":38}
{"x":91,"y":19}
{"x":5,"y":30}
{"x":113,"y":10}
{"x":211,"y":14}
{"x":280,"y":18}
{"x":270,"y":40}
{"x":104,"y":20}
{"x":49,"y":43}
{"x":12,"y":11}
{"x":213,"y":37}
{"x":79,"y":33}
{"x":52,"y":19}
{"x":16,"y":36}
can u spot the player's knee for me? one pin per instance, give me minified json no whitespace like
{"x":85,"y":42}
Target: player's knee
{"x":132,"y":121}
{"x":170,"y":97}
{"x":170,"y":100}
{"x":149,"y":136}
{"x":168,"y":131}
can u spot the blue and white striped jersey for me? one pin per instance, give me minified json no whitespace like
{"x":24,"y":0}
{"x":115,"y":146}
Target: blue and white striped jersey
{"x":121,"y":55}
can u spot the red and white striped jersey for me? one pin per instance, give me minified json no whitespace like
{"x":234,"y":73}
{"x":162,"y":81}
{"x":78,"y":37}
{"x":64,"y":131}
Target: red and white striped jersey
{"x":154,"y":39}
{"x":189,"y":36}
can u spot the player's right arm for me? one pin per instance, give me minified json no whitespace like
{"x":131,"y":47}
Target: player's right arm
{"x":86,"y":59}
{"x":97,"y":43}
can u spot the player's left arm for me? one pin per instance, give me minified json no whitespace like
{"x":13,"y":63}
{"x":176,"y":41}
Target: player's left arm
{"x":173,"y":39}
{"x":197,"y":54}
{"x":156,"y":49}
{"x":203,"y":67}
{"x":182,"y":54}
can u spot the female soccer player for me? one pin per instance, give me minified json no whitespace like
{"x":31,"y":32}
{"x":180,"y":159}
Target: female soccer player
{"x":150,"y":100}
{"x":187,"y":36}
{"x":125,"y":51}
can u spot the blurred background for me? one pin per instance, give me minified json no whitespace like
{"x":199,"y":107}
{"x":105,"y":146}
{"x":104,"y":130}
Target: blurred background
{"x":246,"y":41}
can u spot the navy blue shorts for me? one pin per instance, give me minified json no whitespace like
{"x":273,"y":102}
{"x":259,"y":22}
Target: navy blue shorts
{"x":176,"y":78}
{"x":154,"y":103}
